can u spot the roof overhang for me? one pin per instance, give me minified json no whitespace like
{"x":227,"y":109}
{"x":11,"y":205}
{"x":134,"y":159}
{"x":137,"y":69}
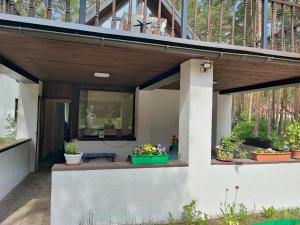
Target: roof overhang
{"x":66,"y":52}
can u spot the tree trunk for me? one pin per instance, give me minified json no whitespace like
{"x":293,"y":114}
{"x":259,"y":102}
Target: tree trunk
{"x":257,"y":113}
{"x":250,"y":106}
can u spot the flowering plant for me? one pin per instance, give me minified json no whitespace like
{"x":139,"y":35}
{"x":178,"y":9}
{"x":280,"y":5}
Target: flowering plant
{"x":174,"y":143}
{"x":233,"y":213}
{"x":148,"y":149}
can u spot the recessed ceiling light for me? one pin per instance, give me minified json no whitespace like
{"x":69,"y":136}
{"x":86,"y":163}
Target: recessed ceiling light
{"x":102,"y":75}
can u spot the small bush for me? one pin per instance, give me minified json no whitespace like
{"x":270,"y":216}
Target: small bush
{"x":269,"y":213}
{"x":192,"y":216}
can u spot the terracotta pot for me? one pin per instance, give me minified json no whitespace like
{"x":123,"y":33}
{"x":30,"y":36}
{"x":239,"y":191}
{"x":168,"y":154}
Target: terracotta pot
{"x":295,"y":153}
{"x":271,"y":156}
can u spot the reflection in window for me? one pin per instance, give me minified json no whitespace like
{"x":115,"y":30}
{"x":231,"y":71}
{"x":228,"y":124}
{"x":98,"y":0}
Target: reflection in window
{"x":105,"y":114}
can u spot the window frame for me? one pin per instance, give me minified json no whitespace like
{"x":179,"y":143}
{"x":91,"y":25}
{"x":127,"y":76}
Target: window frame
{"x":90,"y":138}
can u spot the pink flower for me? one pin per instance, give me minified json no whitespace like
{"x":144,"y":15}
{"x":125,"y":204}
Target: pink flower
{"x":237,"y":187}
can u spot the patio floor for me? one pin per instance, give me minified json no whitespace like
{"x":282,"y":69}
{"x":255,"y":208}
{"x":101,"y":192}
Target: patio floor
{"x":29,"y":202}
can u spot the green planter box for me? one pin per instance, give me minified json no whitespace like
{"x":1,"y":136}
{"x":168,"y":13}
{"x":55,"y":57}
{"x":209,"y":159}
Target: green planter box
{"x":149,"y":159}
{"x":280,"y":222}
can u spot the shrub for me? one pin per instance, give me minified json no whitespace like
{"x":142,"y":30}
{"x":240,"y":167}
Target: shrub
{"x":193,"y":216}
{"x":269,"y":213}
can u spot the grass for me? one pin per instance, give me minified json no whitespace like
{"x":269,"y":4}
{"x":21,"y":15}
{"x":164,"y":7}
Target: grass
{"x":6,"y":140}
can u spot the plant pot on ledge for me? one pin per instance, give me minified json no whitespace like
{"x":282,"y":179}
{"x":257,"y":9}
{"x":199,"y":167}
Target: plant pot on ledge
{"x":270,"y":155}
{"x":295,"y":153}
{"x":149,"y":154}
{"x":72,"y":154}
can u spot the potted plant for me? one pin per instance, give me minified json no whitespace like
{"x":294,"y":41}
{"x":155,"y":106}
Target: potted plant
{"x":269,"y":154}
{"x":72,"y":154}
{"x":149,"y":154}
{"x":228,"y":148}
{"x":292,"y":138}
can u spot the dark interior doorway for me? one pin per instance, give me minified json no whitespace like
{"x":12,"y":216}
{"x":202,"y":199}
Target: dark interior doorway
{"x":56,"y":131}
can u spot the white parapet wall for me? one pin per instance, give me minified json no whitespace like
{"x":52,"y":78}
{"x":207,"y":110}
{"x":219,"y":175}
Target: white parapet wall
{"x":14,"y":166}
{"x":127,"y":196}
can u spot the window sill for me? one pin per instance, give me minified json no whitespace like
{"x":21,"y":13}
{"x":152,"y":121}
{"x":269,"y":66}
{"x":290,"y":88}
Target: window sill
{"x":107,"y":139}
{"x":115,"y":165}
{"x":13,"y":144}
{"x":250,"y":162}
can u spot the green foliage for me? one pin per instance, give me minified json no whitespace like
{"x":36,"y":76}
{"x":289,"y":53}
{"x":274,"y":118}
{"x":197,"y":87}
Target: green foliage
{"x":171,"y":220}
{"x":71,"y":148}
{"x":234,"y":213}
{"x":193,"y":216}
{"x":11,"y":126}
{"x":292,"y":135}
{"x":269,"y":213}
{"x":229,"y":148}
{"x":243,"y":128}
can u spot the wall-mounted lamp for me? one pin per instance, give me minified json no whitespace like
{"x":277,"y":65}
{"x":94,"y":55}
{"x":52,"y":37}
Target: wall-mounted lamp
{"x":205,"y":66}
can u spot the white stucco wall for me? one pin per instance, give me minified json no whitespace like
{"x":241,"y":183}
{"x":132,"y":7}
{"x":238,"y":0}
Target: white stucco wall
{"x":14,"y":167}
{"x":8,"y":94}
{"x":152,"y":107}
{"x":28,"y":95}
{"x":127,"y":196}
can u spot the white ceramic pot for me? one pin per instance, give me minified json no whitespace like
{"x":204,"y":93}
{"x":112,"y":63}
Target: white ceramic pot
{"x":73,"y":159}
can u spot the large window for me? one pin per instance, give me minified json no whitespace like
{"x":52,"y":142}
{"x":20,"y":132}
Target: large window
{"x":105,"y":114}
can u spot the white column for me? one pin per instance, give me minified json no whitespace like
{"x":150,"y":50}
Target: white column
{"x":28,"y":115}
{"x":195,"y":112}
{"x":224,"y":110}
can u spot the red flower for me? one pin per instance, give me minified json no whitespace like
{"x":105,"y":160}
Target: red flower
{"x":237,"y":187}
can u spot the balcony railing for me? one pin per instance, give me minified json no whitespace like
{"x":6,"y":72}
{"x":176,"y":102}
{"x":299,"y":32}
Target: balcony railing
{"x":269,"y":24}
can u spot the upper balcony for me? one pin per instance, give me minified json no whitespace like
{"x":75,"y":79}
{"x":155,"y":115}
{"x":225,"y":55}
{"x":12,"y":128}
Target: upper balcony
{"x":267,"y":24}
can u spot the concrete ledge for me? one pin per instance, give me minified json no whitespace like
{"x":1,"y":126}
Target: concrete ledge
{"x":13,"y":144}
{"x":114,"y":165}
{"x":250,"y":162}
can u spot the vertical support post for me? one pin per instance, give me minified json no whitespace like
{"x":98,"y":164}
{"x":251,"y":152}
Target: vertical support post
{"x":264,"y":24}
{"x":273,"y":26}
{"x":2,"y":6}
{"x":184,"y":15}
{"x":245,"y":22}
{"x":31,"y":8}
{"x":113,"y":18}
{"x":11,"y":7}
{"x":195,"y":19}
{"x":97,"y":20}
{"x":255,"y":24}
{"x":233,"y":23}
{"x":129,"y":14}
{"x":292,"y":28}
{"x":159,"y":17}
{"x":173,"y":19}
{"x":208,"y":21}
{"x":282,"y":45}
{"x":145,"y":17}
{"x":49,"y":10}
{"x":221,"y":22}
{"x":82,"y":9}
{"x":68,"y":15}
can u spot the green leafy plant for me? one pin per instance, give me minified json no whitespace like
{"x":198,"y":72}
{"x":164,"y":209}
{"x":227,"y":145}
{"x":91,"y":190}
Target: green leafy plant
{"x":71,"y":148}
{"x":269,"y":213}
{"x":233,"y":213}
{"x":229,"y":148}
{"x":11,"y":126}
{"x":292,"y":135}
{"x":193,"y":216}
{"x":171,"y":220}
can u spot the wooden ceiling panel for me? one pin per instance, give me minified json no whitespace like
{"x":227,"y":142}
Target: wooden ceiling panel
{"x":68,"y":61}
